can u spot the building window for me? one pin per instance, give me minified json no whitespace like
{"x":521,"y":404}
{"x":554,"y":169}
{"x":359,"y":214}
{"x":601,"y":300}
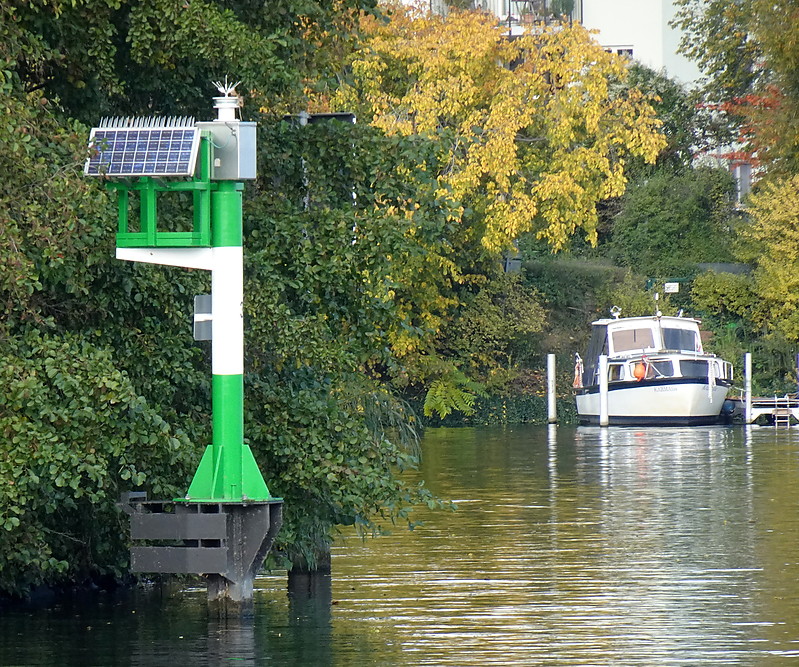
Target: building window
{"x":743,"y":179}
{"x":626,"y":52}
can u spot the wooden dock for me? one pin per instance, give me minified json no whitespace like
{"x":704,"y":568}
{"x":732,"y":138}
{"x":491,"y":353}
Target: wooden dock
{"x":774,"y":410}
{"x":780,"y":410}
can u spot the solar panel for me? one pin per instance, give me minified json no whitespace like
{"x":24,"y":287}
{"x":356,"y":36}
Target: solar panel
{"x":143,"y":147}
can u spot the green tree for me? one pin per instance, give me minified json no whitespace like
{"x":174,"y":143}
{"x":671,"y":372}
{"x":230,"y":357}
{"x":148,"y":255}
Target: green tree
{"x":494,"y":333}
{"x":687,"y":128}
{"x":107,"y":345}
{"x":75,"y":433}
{"x":749,"y":50}
{"x":100,"y":390}
{"x":329,"y":245}
{"x":105,"y":57}
{"x":716,"y":35}
{"x":670,"y":222}
{"x":684,"y":125}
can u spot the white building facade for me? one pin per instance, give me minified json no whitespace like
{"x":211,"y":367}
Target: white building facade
{"x":640,"y":29}
{"x":636,"y":28}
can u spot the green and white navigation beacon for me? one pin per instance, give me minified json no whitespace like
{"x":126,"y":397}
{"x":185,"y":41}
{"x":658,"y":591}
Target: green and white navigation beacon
{"x":145,"y":158}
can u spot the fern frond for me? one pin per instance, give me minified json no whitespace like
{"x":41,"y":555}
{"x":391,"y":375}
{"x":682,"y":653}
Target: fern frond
{"x":455,"y":392}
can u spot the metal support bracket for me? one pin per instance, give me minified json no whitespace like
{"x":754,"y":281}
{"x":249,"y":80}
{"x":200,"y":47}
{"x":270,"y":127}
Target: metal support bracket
{"x":227,"y":542}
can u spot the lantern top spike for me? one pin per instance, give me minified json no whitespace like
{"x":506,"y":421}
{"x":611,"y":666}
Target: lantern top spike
{"x":230,"y":100}
{"x":227,"y":89}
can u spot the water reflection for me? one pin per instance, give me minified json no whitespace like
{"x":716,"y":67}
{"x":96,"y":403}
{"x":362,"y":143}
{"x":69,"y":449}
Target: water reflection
{"x":614,"y":546}
{"x":674,"y":551}
{"x":587,"y":546}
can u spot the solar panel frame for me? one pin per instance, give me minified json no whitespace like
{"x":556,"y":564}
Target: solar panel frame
{"x":131,"y":148}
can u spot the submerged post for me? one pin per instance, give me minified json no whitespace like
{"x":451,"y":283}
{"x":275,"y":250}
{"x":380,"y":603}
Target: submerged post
{"x":748,"y":388}
{"x":552,"y":406}
{"x":603,"y":390}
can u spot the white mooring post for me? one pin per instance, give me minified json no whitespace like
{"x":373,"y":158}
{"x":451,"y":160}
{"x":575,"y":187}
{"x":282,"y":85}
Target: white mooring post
{"x":748,"y":388}
{"x":603,"y":390}
{"x":552,"y":409}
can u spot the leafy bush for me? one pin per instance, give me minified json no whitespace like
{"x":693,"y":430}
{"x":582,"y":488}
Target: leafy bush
{"x":566,"y":282}
{"x":726,"y":298}
{"x":629,"y":295}
{"x":739,"y":318}
{"x":75,"y":433}
{"x":494,"y":332}
{"x":670,"y":222}
{"x":509,"y":410}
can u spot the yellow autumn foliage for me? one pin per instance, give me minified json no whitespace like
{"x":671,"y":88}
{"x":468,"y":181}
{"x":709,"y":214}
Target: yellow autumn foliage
{"x":536,"y":134}
{"x":773,"y":234}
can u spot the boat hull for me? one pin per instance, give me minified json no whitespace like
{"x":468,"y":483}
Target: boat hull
{"x":676,"y":401}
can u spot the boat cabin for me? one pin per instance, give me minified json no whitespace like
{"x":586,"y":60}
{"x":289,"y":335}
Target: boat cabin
{"x":636,"y":335}
{"x":650,"y":348}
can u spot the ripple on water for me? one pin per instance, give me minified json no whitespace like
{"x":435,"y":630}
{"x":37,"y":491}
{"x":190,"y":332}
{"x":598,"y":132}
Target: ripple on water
{"x":627,"y":547}
{"x":569,"y":547}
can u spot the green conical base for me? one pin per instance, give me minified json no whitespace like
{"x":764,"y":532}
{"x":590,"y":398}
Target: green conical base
{"x":209,"y":484}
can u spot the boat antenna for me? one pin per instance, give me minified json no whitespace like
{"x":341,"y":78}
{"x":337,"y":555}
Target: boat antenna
{"x":657,"y":310}
{"x":615,"y":311}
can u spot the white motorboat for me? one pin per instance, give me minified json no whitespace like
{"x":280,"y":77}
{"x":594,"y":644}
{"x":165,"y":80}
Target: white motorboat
{"x":658,"y":373}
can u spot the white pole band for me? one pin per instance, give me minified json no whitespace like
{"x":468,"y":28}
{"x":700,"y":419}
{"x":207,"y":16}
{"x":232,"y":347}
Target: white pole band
{"x":552,"y":405}
{"x":748,"y":388}
{"x":227,"y":306}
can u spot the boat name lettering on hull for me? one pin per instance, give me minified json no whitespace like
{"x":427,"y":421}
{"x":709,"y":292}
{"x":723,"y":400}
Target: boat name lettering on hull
{"x":665,"y":389}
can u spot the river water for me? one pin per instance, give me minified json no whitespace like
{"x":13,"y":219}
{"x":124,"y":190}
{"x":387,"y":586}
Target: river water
{"x":569,"y":546}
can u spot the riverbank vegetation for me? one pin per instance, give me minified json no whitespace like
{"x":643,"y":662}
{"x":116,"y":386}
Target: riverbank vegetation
{"x":376,"y":294}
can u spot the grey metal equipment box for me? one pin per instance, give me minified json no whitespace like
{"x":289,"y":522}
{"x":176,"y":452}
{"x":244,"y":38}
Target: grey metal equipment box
{"x":233,"y":143}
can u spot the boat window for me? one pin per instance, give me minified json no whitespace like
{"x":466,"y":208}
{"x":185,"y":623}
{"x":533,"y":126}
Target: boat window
{"x":680,"y":339}
{"x":632,"y":339}
{"x":662,"y":368}
{"x":615,"y":372}
{"x":693,"y":368}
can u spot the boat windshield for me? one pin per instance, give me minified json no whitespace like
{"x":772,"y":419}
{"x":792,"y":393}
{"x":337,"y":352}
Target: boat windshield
{"x":632,"y":339}
{"x":680,"y":339}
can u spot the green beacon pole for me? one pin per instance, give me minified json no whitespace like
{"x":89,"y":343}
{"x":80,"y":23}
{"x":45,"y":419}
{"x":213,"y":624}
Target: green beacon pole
{"x":228,"y":470}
